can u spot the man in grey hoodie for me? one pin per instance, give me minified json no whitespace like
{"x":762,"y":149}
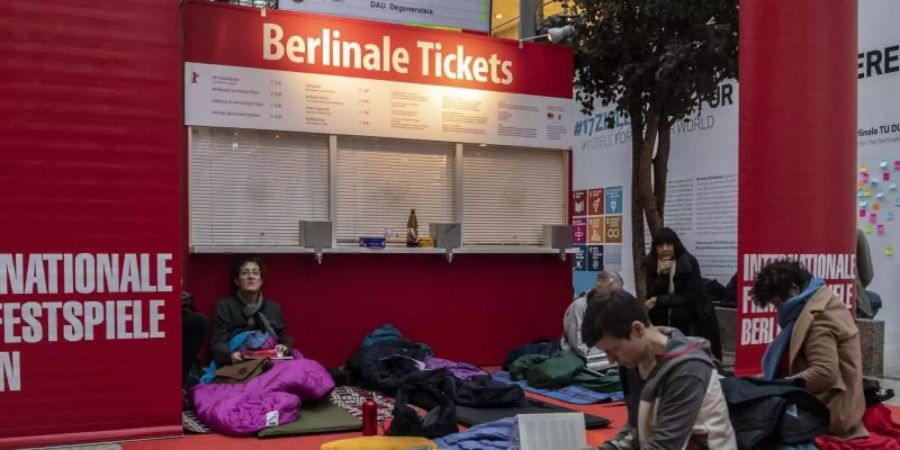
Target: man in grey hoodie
{"x":679,"y":402}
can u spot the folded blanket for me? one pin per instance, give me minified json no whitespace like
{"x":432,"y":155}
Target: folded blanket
{"x":502,"y":434}
{"x":570,"y":394}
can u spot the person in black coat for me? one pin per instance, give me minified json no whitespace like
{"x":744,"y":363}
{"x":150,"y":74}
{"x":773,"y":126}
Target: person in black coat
{"x":194,"y":327}
{"x":676,"y":295}
{"x":247,"y":310}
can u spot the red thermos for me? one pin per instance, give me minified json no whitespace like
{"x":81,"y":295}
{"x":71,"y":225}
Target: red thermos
{"x":370,"y":417}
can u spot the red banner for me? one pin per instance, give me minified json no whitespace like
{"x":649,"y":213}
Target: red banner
{"x":298,"y":42}
{"x":89,"y":243}
{"x":797,"y":153}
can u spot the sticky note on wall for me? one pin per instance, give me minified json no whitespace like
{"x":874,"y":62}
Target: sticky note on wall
{"x":890,"y":215}
{"x":873,"y":218}
{"x":889,"y":250}
{"x":868,"y":228}
{"x":880,"y":228}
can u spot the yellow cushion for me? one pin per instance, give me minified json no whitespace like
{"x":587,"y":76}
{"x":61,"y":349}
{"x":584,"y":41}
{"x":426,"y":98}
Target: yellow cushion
{"x":380,"y":443}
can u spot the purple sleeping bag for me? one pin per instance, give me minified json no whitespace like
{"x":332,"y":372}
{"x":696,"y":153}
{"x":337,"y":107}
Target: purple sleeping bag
{"x":268,"y":400}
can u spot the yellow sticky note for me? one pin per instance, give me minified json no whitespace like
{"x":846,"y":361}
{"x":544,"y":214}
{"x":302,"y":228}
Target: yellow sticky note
{"x":867,"y":192}
{"x":889,"y":250}
{"x":863,"y":168}
{"x":868,"y":228}
{"x":876,"y":206}
{"x":860,"y":184}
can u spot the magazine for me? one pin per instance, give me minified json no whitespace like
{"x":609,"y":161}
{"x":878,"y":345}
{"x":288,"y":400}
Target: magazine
{"x":261,"y":354}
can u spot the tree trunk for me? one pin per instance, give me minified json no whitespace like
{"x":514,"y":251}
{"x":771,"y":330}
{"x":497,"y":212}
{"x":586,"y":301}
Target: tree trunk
{"x":661,"y":166}
{"x":648,"y":200}
{"x":637,"y":209}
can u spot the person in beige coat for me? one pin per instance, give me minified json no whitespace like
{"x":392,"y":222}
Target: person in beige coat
{"x":818,"y":345}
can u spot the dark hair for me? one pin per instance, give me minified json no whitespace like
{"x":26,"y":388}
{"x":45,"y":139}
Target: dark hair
{"x":612,"y":315}
{"x":667,"y":235}
{"x":241,"y":260}
{"x":776,"y":280}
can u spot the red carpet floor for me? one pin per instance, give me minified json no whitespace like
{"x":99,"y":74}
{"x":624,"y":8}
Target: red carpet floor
{"x":614,"y":412}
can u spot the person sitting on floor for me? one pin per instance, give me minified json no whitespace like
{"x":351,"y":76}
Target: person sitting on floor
{"x":681,"y":402}
{"x":818,"y":345}
{"x":607,"y":281}
{"x":676,"y":295}
{"x":194,"y":327}
{"x":247,"y":320}
{"x":868,"y":303}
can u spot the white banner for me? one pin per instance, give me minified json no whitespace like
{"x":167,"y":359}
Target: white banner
{"x":878,"y":174}
{"x":471,"y":15}
{"x":240,"y":97}
{"x":701,"y":197}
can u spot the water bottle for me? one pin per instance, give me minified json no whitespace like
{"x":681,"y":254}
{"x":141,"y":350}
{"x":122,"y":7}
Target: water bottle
{"x":370,"y":417}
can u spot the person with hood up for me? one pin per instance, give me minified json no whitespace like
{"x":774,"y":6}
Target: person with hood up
{"x":676,"y":295}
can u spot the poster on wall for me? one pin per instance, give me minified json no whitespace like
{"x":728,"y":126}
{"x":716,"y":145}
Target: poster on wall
{"x":596,"y":223}
{"x":878,"y":157}
{"x":701,"y":201}
{"x":310,"y":73}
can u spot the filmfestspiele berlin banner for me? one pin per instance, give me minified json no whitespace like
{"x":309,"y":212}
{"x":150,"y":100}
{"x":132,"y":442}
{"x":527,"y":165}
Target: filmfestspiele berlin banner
{"x":90,"y":277}
{"x":796,"y":177}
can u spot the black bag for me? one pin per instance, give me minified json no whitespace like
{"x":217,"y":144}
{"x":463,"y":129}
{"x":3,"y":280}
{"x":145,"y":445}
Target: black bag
{"x":874,"y":393}
{"x":766,"y":413}
{"x":488,"y":392}
{"x":429,"y":389}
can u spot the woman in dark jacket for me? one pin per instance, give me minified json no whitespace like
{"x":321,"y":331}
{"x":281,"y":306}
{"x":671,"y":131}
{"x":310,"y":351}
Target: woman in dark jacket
{"x":247,"y":310}
{"x":676,"y":295}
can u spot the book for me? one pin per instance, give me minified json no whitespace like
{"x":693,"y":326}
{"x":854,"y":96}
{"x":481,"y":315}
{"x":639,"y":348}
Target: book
{"x":261,"y":354}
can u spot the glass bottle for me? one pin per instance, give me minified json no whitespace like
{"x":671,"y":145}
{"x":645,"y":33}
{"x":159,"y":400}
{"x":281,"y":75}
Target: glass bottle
{"x":412,"y":229}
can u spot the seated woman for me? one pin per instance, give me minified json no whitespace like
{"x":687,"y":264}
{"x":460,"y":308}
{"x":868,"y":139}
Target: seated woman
{"x":818,"y":345}
{"x":676,"y":295}
{"x":247,"y":320}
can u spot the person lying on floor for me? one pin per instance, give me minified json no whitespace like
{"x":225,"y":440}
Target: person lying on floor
{"x":818,"y":346}
{"x":247,"y":320}
{"x":681,"y":402}
{"x":607,"y":281}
